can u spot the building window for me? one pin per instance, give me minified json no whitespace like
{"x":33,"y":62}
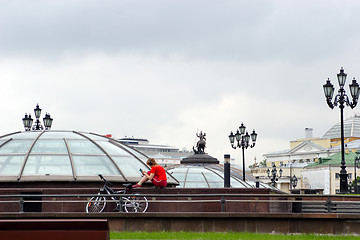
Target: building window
{"x":337,"y":191}
{"x":337,"y":175}
{"x":349,"y":175}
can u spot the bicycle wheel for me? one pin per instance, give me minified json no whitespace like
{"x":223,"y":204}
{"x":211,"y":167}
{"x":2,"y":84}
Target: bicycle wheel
{"x":96,"y":204}
{"x":135,"y":203}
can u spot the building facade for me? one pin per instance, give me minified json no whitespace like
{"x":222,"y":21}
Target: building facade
{"x":305,"y":157}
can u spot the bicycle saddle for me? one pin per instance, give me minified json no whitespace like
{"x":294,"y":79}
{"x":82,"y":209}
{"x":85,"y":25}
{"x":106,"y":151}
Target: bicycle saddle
{"x":127,"y":185}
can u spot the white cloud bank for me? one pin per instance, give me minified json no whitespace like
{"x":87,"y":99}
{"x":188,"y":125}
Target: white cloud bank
{"x":165,"y":69}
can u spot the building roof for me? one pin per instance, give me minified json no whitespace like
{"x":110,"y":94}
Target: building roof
{"x":335,"y":159}
{"x":68,"y":156}
{"x":306,"y":144}
{"x":351,"y":128}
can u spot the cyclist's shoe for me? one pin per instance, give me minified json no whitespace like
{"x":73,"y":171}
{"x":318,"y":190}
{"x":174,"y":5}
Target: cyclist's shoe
{"x":136,"y":186}
{"x":127,"y":185}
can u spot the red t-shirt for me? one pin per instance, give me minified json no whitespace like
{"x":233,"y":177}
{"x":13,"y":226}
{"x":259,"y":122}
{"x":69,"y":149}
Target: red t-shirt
{"x":159,"y":171}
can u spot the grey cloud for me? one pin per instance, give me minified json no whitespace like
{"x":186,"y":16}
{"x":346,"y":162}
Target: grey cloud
{"x":247,"y":31}
{"x":200,"y":28}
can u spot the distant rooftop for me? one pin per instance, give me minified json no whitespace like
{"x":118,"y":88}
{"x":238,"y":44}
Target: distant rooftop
{"x":351,"y":128}
{"x":335,"y":159}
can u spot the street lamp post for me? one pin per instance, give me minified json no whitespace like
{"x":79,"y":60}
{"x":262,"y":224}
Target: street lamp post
{"x":27,"y":121}
{"x":293,"y":181}
{"x":274,"y":177}
{"x":342,"y":99}
{"x":242,"y":141}
{"x":227,"y":170}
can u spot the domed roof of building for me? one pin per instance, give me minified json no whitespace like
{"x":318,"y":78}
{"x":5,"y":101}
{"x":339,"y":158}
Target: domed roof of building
{"x":68,"y":156}
{"x":210,"y":176}
{"x":351,"y":129}
{"x":204,"y":171}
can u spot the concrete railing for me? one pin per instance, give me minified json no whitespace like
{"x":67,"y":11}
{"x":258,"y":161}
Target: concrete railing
{"x":244,"y":203}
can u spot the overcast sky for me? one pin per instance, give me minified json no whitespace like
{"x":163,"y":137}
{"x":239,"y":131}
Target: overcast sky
{"x":164,"y":70}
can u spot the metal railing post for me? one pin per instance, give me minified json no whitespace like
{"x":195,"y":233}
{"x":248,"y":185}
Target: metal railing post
{"x":328,"y":205}
{"x":21,"y":202}
{"x":121,"y":204}
{"x":222,"y":201}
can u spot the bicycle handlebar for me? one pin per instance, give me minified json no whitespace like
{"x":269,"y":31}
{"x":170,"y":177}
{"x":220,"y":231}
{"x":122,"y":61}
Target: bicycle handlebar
{"x":102,"y":178}
{"x":128,"y":186}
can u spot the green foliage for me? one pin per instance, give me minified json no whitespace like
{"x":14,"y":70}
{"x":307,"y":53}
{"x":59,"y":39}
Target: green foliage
{"x":263,"y":163}
{"x":357,"y":180}
{"x":226,"y":235}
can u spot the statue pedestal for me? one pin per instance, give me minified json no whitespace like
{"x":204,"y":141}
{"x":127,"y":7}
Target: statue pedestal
{"x":199,"y":158}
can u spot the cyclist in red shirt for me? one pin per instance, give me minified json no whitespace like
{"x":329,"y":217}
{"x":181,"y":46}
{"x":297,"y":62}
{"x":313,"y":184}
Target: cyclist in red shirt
{"x":156,"y":175}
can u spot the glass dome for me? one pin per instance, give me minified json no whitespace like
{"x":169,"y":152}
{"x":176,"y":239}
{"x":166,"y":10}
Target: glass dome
{"x":204,"y":175}
{"x":68,"y":156}
{"x":351,"y":129}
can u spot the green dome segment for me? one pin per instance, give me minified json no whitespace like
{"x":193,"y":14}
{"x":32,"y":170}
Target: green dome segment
{"x":68,"y":156}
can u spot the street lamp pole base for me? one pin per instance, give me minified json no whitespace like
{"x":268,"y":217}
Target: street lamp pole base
{"x":343,"y":183}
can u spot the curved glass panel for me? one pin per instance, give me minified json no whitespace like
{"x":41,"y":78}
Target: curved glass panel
{"x":49,"y":146}
{"x":60,"y":135}
{"x":251,"y":184}
{"x":11,"y":165}
{"x":83,"y":147}
{"x":214,"y":180}
{"x":95,"y":137}
{"x":135,"y":153}
{"x":130,"y":166}
{"x":235,"y":183}
{"x":216,"y":184}
{"x":179,"y":174}
{"x":48,"y":165}
{"x":112,"y":149}
{"x":26,"y":135}
{"x":212,"y":177}
{"x":16,"y":146}
{"x":190,"y":184}
{"x":93,"y":165}
{"x":195,"y":174}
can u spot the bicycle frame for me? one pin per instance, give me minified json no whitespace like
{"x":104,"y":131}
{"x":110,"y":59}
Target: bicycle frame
{"x":106,"y":190}
{"x":133,"y":203}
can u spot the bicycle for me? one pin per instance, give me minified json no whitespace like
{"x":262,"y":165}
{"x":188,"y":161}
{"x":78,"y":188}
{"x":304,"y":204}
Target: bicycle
{"x":133,"y":203}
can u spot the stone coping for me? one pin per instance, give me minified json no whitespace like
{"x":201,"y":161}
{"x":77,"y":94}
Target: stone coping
{"x":61,"y":215}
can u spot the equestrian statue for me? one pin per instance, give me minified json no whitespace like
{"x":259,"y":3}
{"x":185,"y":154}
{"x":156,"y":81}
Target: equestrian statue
{"x":200,"y":145}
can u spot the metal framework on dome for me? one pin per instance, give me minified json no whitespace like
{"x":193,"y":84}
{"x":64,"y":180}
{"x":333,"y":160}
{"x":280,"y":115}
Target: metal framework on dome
{"x":211,"y":175}
{"x":68,"y":156}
